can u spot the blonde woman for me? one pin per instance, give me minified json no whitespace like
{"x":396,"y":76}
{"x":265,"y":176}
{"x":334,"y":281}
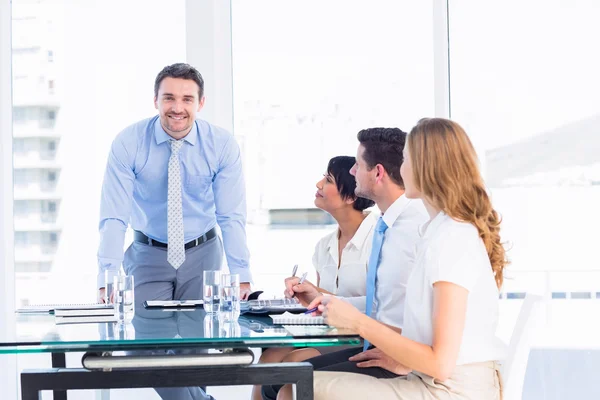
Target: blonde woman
{"x":448,"y":348}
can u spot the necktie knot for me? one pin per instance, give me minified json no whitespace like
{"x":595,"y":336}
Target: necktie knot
{"x":381,"y":225}
{"x":176,"y":146}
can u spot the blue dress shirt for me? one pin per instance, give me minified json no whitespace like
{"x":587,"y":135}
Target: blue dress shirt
{"x":135,"y":191}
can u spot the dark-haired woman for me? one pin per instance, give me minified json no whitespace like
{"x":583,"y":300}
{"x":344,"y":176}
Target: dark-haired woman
{"x":340,"y":258}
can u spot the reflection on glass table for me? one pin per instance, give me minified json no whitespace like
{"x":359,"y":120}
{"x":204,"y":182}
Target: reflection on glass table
{"x":172,"y":343}
{"x":162,"y":328}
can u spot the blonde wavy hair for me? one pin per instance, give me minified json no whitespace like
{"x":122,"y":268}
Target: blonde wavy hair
{"x":446,"y":172}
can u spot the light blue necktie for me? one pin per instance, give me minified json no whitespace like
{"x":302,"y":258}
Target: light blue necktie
{"x":378,"y":236}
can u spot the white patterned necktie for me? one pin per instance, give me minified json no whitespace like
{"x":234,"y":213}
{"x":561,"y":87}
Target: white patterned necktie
{"x":176,"y":249}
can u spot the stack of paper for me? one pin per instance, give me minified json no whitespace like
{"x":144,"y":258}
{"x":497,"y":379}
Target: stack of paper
{"x":71,"y":314}
{"x":85,"y":319}
{"x":74,"y":313}
{"x":51,"y":308}
{"x":85,"y":311}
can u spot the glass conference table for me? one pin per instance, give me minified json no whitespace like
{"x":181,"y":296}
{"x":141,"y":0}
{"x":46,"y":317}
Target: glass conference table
{"x":159,"y":348}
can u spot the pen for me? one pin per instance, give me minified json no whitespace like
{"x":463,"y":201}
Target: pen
{"x":303,"y":278}
{"x":294,"y":270}
{"x":312,"y":310}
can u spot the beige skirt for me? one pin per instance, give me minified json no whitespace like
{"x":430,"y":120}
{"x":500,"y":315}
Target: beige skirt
{"x":480,"y":381}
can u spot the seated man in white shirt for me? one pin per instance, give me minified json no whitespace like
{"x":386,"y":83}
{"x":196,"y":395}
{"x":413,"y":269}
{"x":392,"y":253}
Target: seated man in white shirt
{"x":340,"y":257}
{"x":377,"y":174}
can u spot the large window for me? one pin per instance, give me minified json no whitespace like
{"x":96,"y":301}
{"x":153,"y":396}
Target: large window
{"x":308,"y":76}
{"x":82,"y":71}
{"x":525,"y":84}
{"x":530,"y":100}
{"x":76,"y":84}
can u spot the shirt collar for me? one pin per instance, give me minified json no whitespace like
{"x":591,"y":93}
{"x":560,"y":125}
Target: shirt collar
{"x":162,"y":136}
{"x":429,"y":227}
{"x":395,"y":210}
{"x":332,"y":246}
{"x":360,"y":237}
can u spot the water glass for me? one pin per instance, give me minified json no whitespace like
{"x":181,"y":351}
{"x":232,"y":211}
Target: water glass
{"x":211,"y":292}
{"x":230,"y":297}
{"x":123,"y":297}
{"x":109,"y":276}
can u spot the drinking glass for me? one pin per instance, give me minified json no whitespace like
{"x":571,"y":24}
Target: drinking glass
{"x":109,"y":276}
{"x":211,"y":291}
{"x":123,"y":297}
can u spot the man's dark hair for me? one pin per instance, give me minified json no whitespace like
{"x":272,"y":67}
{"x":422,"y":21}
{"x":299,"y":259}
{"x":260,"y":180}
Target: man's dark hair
{"x":339,"y":167}
{"x":183,"y":71}
{"x":384,"y":146}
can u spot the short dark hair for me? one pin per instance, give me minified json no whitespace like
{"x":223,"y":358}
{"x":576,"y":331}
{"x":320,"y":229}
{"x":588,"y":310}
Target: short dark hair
{"x":384,"y":146}
{"x":183,"y":71}
{"x":339,"y":167}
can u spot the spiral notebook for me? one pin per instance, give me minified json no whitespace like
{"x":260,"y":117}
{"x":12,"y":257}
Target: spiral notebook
{"x":288,"y":318}
{"x":272,"y":306}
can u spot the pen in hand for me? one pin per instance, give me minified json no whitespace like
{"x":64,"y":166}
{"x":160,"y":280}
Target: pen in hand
{"x":312,"y":310}
{"x":294,"y":270}
{"x":303,"y":278}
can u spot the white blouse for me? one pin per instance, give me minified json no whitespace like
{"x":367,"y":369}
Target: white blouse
{"x":452,"y":251}
{"x":349,"y":282}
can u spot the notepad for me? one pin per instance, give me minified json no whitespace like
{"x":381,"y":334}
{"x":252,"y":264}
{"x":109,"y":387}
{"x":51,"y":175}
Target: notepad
{"x":288,"y":318}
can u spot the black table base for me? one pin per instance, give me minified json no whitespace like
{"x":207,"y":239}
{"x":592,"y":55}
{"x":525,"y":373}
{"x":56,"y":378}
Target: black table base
{"x":60,"y":379}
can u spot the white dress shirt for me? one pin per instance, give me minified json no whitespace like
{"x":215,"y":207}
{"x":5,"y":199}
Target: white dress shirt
{"x":452,"y":251}
{"x":396,"y":262}
{"x":349,"y":281}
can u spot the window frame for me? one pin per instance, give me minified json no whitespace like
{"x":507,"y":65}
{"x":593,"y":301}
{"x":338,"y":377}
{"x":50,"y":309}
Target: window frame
{"x":8,"y":381}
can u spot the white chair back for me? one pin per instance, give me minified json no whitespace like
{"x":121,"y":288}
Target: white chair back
{"x":514,"y":367}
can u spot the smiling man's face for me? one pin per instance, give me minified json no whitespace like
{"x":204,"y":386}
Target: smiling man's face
{"x":177,"y":103}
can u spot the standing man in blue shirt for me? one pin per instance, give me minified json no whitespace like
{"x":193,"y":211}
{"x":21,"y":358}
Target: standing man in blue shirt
{"x":174,"y":178}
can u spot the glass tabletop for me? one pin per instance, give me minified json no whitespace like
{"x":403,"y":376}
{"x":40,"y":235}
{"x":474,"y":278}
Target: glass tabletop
{"x":158,"y":328}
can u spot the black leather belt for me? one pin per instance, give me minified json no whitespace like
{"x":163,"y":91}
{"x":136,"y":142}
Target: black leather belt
{"x":140,"y":237}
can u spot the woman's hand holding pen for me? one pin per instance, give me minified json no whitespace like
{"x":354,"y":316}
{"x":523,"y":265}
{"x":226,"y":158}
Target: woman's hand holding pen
{"x":337,"y":312}
{"x":305,"y":292}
